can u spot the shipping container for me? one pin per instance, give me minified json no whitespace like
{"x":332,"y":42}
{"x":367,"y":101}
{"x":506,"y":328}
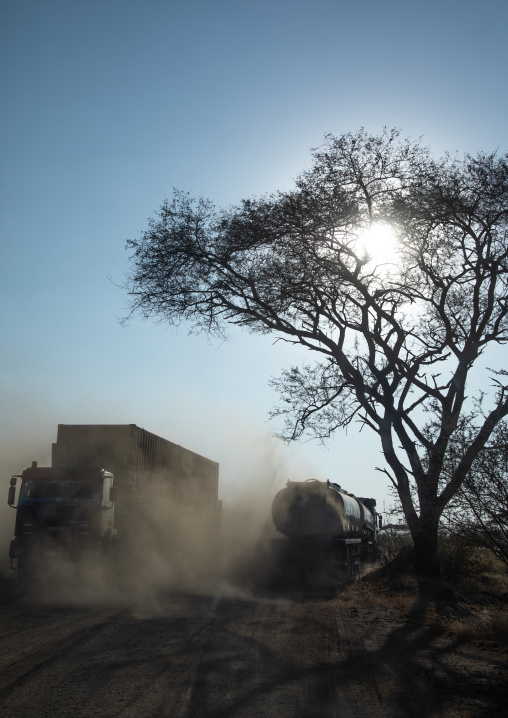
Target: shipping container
{"x":156,"y":484}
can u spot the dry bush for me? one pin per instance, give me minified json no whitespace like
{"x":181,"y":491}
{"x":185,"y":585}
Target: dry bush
{"x":390,"y":587}
{"x":391,"y":541}
{"x":461,"y":560}
{"x":482,"y":596}
{"x":360,"y":594}
{"x":487,"y":623}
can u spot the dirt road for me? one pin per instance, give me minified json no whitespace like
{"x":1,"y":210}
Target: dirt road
{"x":232,"y":656}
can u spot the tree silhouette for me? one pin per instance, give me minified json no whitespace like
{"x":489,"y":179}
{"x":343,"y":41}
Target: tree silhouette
{"x":395,"y":337}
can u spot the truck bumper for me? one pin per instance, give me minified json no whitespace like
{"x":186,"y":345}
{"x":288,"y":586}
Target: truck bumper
{"x":34,"y":551}
{"x":16,"y":551}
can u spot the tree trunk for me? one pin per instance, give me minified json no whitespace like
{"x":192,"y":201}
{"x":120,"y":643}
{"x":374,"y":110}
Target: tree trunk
{"x":426,"y":561}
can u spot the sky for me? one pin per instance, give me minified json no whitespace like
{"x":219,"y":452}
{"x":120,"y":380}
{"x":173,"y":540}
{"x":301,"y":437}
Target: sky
{"x":107,"y":106}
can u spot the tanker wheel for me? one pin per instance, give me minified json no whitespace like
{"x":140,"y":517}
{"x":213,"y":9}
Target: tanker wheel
{"x":352,"y":567}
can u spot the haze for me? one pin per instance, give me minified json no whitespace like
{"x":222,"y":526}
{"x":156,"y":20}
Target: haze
{"x":109,"y":105}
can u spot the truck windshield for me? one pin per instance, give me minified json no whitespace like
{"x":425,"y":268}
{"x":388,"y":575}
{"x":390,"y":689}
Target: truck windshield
{"x":66,"y":492}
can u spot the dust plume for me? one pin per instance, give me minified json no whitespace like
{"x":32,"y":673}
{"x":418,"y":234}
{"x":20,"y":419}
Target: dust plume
{"x":172,"y":550}
{"x":173,"y":547}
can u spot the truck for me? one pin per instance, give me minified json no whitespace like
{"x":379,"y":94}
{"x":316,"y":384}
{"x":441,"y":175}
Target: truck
{"x":106,"y":485}
{"x":326,"y":528}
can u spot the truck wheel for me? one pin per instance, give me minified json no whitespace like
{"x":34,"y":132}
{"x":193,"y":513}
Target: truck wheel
{"x":25,"y":571}
{"x":108,"y":544}
{"x":105,"y":542}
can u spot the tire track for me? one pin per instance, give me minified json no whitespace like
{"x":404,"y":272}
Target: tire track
{"x":36,"y":652}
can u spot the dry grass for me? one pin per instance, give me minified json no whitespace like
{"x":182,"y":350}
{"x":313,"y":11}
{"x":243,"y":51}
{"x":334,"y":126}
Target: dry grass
{"x":376,"y":591}
{"x":487,"y":623}
{"x":478,"y":611}
{"x":482,"y":611}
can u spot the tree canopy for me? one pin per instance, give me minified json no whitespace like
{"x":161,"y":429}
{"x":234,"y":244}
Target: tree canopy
{"x":394,"y":337}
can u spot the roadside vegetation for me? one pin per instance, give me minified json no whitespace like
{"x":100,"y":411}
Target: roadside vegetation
{"x":473,"y":607}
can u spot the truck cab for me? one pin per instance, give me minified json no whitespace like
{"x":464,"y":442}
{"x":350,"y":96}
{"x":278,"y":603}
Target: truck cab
{"x":61,"y":512}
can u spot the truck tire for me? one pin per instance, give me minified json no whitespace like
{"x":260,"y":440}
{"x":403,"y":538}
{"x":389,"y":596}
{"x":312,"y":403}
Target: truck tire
{"x":25,"y":571}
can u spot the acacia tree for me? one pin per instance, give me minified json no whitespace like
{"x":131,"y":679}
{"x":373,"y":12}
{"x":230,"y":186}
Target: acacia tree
{"x":394,"y":339}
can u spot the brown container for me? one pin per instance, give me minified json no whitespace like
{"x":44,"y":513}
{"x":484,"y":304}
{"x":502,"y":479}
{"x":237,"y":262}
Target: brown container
{"x":147,"y":468}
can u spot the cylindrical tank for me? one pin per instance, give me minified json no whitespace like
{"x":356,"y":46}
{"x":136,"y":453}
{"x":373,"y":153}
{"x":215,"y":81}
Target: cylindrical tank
{"x":320,"y":510}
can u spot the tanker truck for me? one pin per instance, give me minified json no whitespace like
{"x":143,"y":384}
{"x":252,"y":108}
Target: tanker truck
{"x":325,"y":528}
{"x":106,"y":485}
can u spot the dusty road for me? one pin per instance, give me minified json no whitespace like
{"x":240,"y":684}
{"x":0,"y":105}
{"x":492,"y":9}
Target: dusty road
{"x":234,"y":656}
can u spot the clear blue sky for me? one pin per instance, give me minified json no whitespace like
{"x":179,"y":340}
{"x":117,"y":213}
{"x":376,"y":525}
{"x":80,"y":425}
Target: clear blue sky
{"x":107,"y":105}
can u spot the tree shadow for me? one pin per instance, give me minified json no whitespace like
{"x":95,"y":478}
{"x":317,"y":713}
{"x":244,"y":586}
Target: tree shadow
{"x":412,"y":673}
{"x":272,"y":656}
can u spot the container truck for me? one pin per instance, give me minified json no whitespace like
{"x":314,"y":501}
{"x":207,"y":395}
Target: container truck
{"x":107,"y":484}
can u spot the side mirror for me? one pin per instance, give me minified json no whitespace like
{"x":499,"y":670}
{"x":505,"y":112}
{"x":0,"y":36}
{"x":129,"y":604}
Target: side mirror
{"x":113,"y":494}
{"x":14,"y":480}
{"x":380,"y":521}
{"x":12,"y":495}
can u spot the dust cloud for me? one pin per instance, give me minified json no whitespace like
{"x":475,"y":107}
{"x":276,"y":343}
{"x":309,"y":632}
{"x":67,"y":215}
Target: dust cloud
{"x":172,"y":548}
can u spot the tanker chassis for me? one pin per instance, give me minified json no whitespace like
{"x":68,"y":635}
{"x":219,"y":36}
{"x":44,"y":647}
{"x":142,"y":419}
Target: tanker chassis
{"x":106,"y":483}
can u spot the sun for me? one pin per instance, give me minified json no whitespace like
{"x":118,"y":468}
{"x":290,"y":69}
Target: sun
{"x":379,"y":241}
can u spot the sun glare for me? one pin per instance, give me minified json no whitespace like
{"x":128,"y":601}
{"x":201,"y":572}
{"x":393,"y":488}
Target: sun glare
{"x":379,"y":241}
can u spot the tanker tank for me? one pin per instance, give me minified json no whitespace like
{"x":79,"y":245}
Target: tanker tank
{"x":321,"y":509}
{"x":321,"y":520}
